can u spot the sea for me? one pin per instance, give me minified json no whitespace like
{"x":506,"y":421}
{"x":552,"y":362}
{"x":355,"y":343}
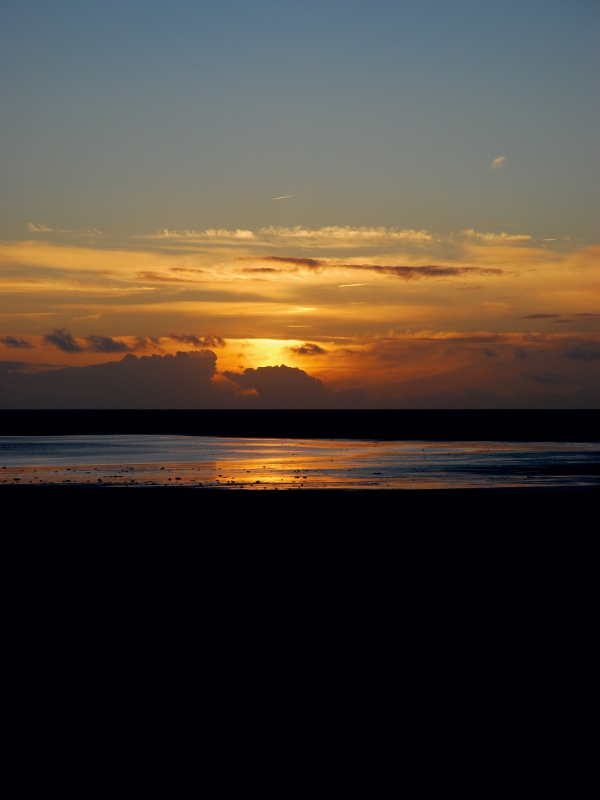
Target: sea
{"x":282,"y":464}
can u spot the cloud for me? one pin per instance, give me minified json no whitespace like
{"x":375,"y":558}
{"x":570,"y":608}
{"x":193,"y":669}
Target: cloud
{"x":405,"y":272}
{"x":105,"y":344}
{"x":281,"y":387}
{"x":210,"y":340}
{"x":63,"y":340}
{"x":496,"y":238}
{"x":583,"y":355}
{"x":498,"y":162}
{"x":336,"y":235}
{"x":429,"y":271}
{"x":308,"y":349}
{"x":180,"y":381}
{"x":283,"y":197}
{"x":520,"y":352}
{"x":155,"y":277}
{"x":46,"y":229}
{"x":311,"y":263}
{"x":210,"y":235}
{"x":490,"y":353}
{"x":9,"y":366}
{"x":329,"y":236}
{"x":264,"y":269}
{"x":20,"y":344}
{"x":549,"y":379}
{"x":541,"y":316}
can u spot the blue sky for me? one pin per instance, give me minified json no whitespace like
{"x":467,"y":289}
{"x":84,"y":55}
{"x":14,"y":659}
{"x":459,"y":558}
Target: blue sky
{"x":133,"y":116}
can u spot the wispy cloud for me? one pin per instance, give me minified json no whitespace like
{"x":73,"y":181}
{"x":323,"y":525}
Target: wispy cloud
{"x":18,"y":344}
{"x":309,"y":349}
{"x":210,"y":340}
{"x":329,"y":236}
{"x":498,"y":162}
{"x":283,"y":197}
{"x":106,"y":344}
{"x":428,"y":271}
{"x":63,"y":340}
{"x":541,"y":316}
{"x":296,"y":262}
{"x":580,"y":354}
{"x":43,"y":228}
{"x":405,"y":272}
{"x":496,"y":238}
{"x":549,"y":379}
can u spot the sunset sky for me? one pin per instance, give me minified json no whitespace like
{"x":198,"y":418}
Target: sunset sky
{"x":397,"y":198}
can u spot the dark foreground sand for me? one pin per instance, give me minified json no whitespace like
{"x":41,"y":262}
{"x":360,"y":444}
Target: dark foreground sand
{"x":235,"y":578}
{"x":176,"y":512}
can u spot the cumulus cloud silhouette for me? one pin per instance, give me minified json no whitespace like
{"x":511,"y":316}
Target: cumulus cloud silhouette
{"x":180,"y":381}
{"x":184,"y":380}
{"x":281,"y":387}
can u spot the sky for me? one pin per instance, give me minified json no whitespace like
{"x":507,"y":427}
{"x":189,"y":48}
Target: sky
{"x":397,"y":200}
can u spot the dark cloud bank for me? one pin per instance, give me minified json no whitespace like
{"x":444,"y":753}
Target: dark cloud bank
{"x":186,"y":380}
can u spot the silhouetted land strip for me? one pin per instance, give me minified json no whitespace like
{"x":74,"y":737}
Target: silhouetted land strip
{"x":384,"y":425}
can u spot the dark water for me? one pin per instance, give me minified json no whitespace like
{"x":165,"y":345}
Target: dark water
{"x":309,"y":463}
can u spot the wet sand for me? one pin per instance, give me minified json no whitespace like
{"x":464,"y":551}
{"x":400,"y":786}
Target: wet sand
{"x":275,"y":464}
